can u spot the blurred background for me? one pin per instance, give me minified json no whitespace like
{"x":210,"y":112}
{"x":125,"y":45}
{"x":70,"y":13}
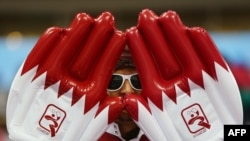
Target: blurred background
{"x":22,"y":23}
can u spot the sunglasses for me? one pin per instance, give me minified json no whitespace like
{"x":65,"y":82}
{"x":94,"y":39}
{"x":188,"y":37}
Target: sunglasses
{"x":118,"y":80}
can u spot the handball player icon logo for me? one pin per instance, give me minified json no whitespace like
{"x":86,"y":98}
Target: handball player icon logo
{"x":194,"y":118}
{"x":52,"y":119}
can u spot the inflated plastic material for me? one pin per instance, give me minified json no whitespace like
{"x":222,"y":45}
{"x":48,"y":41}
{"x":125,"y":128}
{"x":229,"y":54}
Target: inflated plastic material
{"x":186,"y":83}
{"x":57,"y":91}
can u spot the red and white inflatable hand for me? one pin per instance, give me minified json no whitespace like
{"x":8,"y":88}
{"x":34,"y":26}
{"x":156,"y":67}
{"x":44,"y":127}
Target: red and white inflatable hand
{"x":57,"y":91}
{"x":189,"y":90}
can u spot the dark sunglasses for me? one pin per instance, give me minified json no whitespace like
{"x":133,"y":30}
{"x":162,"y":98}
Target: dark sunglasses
{"x":118,"y":80}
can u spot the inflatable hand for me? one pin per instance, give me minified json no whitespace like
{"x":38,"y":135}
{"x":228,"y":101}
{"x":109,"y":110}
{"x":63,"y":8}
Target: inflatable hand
{"x":189,"y":90}
{"x":57,"y":91}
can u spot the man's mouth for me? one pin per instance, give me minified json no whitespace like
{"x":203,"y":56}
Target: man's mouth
{"x":124,"y":116}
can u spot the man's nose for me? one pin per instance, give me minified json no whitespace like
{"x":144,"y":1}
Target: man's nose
{"x":126,"y":88}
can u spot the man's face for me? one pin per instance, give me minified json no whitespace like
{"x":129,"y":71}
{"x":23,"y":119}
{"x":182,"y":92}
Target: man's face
{"x":126,"y":88}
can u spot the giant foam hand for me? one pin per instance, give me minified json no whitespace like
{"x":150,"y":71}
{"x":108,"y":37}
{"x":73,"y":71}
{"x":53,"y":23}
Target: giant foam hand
{"x":188,"y":90}
{"x":58,"y":89}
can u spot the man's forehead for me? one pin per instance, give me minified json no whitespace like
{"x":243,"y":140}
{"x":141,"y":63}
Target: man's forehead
{"x":126,"y":71}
